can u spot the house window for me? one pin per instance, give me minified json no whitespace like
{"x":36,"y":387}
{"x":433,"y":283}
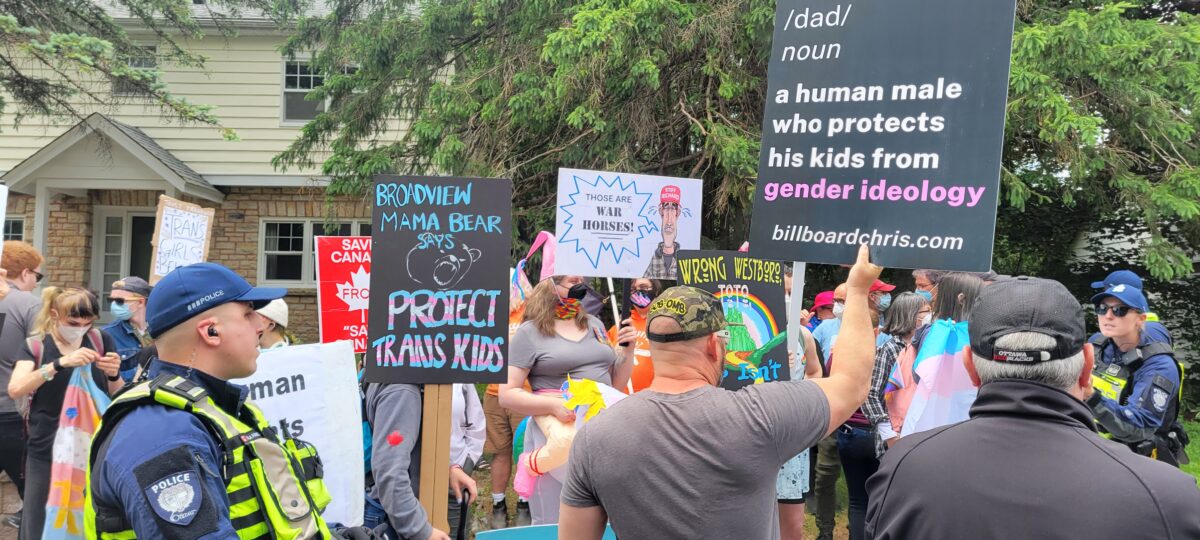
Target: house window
{"x":145,"y":59}
{"x":14,"y":229}
{"x":298,"y":80}
{"x":288,"y":249}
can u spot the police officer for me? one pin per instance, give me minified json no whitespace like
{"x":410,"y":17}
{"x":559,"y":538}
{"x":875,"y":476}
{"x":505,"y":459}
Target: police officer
{"x":1130,"y":278}
{"x":1136,"y":377}
{"x":182,"y":454}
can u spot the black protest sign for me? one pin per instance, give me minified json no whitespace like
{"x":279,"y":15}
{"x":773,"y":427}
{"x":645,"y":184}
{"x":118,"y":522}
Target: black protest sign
{"x":883,"y":125}
{"x":751,"y":294}
{"x":439,"y":291}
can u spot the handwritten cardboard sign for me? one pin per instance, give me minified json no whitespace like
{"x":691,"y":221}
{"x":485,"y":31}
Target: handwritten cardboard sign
{"x":438,"y":313}
{"x":182,"y":232}
{"x":343,"y":288}
{"x":751,"y":294}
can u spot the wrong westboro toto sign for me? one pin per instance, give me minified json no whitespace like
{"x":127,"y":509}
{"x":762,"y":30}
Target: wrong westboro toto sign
{"x":343,"y":281}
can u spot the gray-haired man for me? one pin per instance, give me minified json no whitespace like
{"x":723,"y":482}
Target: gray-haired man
{"x":1028,"y":463}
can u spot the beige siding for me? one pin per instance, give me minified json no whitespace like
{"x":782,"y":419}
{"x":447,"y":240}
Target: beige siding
{"x":242,"y":79}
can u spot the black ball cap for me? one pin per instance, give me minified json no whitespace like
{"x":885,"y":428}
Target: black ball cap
{"x":1026,"y":304}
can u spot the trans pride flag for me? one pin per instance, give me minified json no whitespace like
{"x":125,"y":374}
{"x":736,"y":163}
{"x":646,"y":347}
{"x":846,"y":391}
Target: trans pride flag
{"x":943,"y":391}
{"x":83,"y":406}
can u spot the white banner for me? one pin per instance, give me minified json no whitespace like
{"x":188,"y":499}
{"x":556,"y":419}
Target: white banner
{"x":310,"y":392}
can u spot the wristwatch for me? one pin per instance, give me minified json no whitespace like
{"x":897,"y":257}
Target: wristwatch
{"x":113,"y":378}
{"x":57,"y":365}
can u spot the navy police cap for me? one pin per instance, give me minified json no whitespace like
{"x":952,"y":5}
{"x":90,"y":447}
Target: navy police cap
{"x":193,"y":289}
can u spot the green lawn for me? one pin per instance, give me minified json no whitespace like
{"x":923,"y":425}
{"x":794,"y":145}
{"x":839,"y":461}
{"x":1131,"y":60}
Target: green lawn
{"x":1193,"y":449}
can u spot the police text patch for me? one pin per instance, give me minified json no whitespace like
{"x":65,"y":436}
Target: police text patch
{"x":176,"y":498}
{"x":173,"y":488}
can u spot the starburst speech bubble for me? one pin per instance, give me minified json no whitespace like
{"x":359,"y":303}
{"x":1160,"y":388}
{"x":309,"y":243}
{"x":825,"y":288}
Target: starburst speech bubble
{"x":606,"y":217}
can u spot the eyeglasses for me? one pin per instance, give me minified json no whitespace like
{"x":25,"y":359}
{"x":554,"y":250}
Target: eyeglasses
{"x":1118,"y":311}
{"x":121,"y":301}
{"x":723,"y":334}
{"x":38,"y":275}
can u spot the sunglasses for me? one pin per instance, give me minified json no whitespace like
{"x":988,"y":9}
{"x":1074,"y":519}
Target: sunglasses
{"x":1118,"y":311}
{"x":38,"y":275}
{"x":723,"y":334}
{"x":121,"y":301}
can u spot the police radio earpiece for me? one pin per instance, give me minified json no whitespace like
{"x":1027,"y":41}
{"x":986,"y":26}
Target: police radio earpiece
{"x":212,"y":331}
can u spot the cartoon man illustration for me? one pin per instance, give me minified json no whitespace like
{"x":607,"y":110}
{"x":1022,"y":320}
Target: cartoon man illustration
{"x":662,"y":266}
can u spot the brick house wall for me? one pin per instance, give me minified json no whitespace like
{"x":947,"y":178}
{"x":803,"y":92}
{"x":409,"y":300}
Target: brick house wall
{"x":235,"y":240}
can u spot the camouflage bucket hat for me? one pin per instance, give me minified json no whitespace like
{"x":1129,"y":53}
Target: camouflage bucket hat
{"x":697,"y":312}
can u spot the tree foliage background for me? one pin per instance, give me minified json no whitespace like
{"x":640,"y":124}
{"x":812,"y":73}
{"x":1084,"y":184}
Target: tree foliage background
{"x":1101,"y":132}
{"x":59,"y":58}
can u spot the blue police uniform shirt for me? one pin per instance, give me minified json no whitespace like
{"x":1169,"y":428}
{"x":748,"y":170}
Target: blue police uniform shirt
{"x":1153,"y":385}
{"x":162,"y":467}
{"x":125,"y":338}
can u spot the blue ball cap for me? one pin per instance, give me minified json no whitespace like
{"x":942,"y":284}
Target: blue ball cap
{"x":1119,"y":277}
{"x":193,"y":289}
{"x":1128,"y":295}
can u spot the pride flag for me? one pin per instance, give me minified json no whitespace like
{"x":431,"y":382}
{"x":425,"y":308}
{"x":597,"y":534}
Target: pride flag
{"x":943,"y":391}
{"x":83,"y":406}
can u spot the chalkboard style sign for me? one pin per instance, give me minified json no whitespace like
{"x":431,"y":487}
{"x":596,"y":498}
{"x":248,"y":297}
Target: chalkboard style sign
{"x":439,"y":294}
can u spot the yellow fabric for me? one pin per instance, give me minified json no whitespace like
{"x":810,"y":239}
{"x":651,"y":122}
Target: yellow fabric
{"x":584,"y":393}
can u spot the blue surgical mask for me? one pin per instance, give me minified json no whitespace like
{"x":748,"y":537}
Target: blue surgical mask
{"x":884,"y":301}
{"x":927,"y":295}
{"x":120,"y":311}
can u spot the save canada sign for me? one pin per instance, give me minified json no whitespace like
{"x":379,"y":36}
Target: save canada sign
{"x":344,"y":288}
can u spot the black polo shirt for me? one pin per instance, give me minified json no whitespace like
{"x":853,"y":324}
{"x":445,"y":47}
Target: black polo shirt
{"x":1027,"y":464}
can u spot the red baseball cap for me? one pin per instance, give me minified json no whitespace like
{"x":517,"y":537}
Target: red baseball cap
{"x":824,"y":299}
{"x":669,"y":194}
{"x":881,"y":286}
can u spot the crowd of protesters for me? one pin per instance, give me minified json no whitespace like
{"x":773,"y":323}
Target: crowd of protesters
{"x":972,"y":406}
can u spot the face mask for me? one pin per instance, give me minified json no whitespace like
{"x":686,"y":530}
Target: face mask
{"x":577,"y":292}
{"x":926,"y":319}
{"x":787,"y":299}
{"x":838,"y":309}
{"x":72,"y":334}
{"x":567,"y":308}
{"x":642,"y":299}
{"x":121,"y":311}
{"x":884,"y":301}
{"x":927,"y":295}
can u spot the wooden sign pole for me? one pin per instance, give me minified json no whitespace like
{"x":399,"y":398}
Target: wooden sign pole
{"x":435,"y":454}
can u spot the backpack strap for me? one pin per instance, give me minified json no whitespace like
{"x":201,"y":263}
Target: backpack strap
{"x":1156,"y":348}
{"x":97,"y":340}
{"x":35,"y":347}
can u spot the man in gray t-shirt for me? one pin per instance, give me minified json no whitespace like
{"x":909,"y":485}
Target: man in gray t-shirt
{"x":686,"y":459}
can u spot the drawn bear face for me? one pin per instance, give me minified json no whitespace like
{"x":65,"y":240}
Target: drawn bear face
{"x":439,"y":261}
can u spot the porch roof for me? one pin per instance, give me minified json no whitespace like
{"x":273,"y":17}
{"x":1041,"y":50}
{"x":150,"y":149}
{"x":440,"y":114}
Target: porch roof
{"x":171,"y":169}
